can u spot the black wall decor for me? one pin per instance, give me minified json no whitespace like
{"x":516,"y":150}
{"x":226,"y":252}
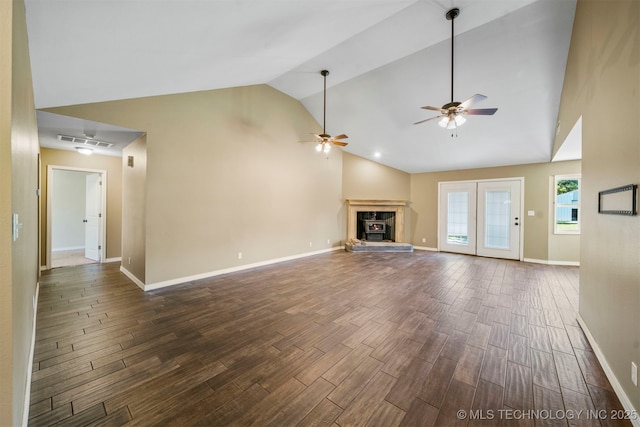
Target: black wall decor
{"x":612,"y":202}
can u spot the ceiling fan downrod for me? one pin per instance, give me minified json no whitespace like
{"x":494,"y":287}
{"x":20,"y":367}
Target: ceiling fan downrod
{"x":324,"y":73}
{"x":451,"y":15}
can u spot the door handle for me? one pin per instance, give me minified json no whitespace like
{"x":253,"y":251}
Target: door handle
{"x":84,"y":220}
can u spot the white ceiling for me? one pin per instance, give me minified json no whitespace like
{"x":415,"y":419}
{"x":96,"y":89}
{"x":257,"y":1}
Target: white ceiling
{"x":386,"y":59}
{"x":51,"y":125}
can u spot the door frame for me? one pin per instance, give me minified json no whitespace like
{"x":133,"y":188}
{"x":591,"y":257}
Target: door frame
{"x":521,"y":227}
{"x":102,"y":235}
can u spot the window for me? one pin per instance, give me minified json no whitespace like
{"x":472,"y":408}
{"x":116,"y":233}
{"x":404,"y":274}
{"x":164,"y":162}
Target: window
{"x":567,"y":204}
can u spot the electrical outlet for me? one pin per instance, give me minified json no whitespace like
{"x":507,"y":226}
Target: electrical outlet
{"x":424,"y":240}
{"x":634,"y":374}
{"x":328,"y":241}
{"x":129,"y":260}
{"x":310,"y":244}
{"x":239,"y":255}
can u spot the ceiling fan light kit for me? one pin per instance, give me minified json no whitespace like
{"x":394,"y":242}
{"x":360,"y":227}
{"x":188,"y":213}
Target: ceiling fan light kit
{"x":452,"y":114}
{"x":323,"y":147}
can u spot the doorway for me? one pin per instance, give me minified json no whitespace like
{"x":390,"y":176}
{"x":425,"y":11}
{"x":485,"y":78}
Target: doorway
{"x":481,"y":217}
{"x":76,"y":202}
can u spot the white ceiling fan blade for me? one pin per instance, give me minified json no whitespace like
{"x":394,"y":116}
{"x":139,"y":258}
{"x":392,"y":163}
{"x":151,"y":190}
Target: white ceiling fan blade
{"x":426,"y":120}
{"x":469,"y":102}
{"x":429,"y":107}
{"x":481,"y":112}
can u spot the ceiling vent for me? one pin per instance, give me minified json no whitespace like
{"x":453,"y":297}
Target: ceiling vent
{"x":85,"y":141}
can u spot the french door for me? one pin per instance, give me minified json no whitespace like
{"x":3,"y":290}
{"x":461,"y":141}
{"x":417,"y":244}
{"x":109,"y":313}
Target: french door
{"x":481,"y":218}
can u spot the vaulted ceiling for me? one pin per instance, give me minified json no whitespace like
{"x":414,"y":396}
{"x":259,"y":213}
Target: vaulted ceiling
{"x":387,"y":58}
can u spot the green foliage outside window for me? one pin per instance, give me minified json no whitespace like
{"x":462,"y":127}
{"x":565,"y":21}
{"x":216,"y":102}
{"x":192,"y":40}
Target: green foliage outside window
{"x":567,"y":208}
{"x":567,"y":185}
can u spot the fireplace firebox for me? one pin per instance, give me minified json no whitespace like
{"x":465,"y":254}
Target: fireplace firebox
{"x":375,"y":230}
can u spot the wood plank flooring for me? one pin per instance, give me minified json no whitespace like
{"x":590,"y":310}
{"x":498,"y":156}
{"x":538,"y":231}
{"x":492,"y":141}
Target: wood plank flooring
{"x":340,"y":339}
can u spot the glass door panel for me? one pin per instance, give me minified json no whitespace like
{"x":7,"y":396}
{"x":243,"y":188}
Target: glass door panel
{"x":457,"y":217}
{"x":497,"y":218}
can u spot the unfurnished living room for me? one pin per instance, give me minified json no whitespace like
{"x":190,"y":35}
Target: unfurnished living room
{"x":392,"y":213}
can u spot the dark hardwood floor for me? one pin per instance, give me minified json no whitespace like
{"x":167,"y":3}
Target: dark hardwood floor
{"x":380,"y":339}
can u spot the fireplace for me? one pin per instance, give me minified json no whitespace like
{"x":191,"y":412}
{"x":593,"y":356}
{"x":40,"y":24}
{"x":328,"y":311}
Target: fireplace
{"x":374,"y":230}
{"x":388,"y":212}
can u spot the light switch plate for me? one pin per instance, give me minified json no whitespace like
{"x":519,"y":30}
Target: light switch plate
{"x":531,"y":213}
{"x":16,"y":226}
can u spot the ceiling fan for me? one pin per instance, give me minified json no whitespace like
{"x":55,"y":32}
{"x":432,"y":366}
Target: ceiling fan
{"x":325,"y":140}
{"x":453,"y":113}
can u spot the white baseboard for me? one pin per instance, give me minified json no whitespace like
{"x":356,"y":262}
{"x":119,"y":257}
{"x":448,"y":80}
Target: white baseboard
{"x":27,"y":391}
{"x":617,"y":388}
{"x":425,"y":248}
{"x":70,"y":248}
{"x":115,"y":259}
{"x":551,"y":262}
{"x":172,"y":282}
{"x":133,"y":278}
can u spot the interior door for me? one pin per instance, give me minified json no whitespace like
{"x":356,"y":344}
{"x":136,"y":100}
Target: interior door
{"x":499,"y":219}
{"x":457,"y":217}
{"x":92,"y":217}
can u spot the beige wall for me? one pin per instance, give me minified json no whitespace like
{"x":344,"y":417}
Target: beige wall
{"x":51,"y":157}
{"x":226,"y":174}
{"x":6,"y":281}
{"x":18,"y":185}
{"x":134,"y":202}
{"x":603,"y":68}
{"x":538,"y":237}
{"x":367,"y":180}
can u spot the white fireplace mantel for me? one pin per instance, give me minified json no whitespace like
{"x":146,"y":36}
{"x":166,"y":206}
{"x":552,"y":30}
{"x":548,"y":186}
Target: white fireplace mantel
{"x":355,"y":206}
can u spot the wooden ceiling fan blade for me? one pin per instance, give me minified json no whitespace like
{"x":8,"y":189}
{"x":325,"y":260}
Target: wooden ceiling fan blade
{"x":429,"y":107}
{"x":481,"y":112}
{"x":340,"y":143}
{"x":469,"y":102}
{"x":341,"y":136}
{"x":426,"y":120}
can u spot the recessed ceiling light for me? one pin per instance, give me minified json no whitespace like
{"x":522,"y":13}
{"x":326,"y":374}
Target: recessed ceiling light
{"x":377,"y":154}
{"x":84,"y":150}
